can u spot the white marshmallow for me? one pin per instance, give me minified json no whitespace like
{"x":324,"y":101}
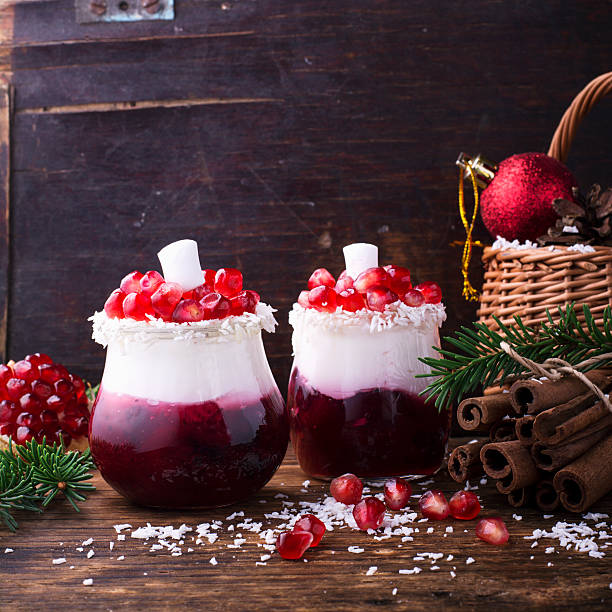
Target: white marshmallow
{"x":360,"y":256}
{"x":181,"y":264}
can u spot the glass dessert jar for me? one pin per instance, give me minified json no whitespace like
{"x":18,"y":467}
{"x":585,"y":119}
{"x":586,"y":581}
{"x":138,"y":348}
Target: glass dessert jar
{"x":186,"y":416}
{"x":353,"y":400}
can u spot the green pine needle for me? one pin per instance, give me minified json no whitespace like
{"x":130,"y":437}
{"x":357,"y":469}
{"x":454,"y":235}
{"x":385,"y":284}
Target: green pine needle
{"x":476,"y":358}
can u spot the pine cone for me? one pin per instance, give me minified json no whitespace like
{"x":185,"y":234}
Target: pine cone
{"x":587,"y":220}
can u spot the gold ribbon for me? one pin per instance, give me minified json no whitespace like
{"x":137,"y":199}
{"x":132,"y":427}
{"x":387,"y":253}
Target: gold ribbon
{"x":469,"y":293}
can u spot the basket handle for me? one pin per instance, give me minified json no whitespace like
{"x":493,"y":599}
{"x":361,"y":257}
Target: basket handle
{"x":577,"y":110}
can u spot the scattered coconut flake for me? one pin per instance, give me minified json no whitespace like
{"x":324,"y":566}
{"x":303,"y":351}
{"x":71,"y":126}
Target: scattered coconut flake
{"x":547,"y":516}
{"x":430,"y":530}
{"x":121,"y":527}
{"x":570,"y":229}
{"x":306,"y":484}
{"x":506,"y":245}
{"x":111,"y":545}
{"x":213,"y":561}
{"x":433,"y":568}
{"x":517,"y":517}
{"x":372,"y":570}
{"x":121,"y":558}
{"x":355,"y":549}
{"x":59,"y":561}
{"x":8,"y":550}
{"x":469,"y":560}
{"x":549,"y":550}
{"x":394,"y":591}
{"x":90,"y":554}
{"x":595,"y":516}
{"x":414,"y":570}
{"x":87,"y":542}
{"x":450,"y":558}
{"x":88,"y":581}
{"x":449,"y":529}
{"x":79,"y":549}
{"x":452,"y":574}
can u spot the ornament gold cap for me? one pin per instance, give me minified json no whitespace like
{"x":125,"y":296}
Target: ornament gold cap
{"x":484,"y":169}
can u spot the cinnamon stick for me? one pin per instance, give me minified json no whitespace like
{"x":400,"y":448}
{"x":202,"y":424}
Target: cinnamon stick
{"x":587,"y":479}
{"x":520,"y":497}
{"x":510,"y":463}
{"x":503,"y":431}
{"x":552,"y":458}
{"x":524,"y":429}
{"x":533,"y":396}
{"x":546,"y":498}
{"x":464,"y":461}
{"x":479,"y":413}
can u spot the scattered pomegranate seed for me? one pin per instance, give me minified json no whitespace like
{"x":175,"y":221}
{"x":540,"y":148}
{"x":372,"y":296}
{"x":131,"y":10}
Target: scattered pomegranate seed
{"x":16,"y":387}
{"x":350,"y":300}
{"x":8,"y":411}
{"x":38,"y":359}
{"x":319,"y":277}
{"x":137,"y":306}
{"x":188,"y":311}
{"x":245,"y":301}
{"x":63,"y":387}
{"x":5,"y":374}
{"x":492,"y":530}
{"x":130,"y":283}
{"x":346,"y":489}
{"x":322,"y":298}
{"x":28,"y":420}
{"x":49,"y":419}
{"x":397,"y":493}
{"x":165,"y":299}
{"x":30,"y":403}
{"x":150,"y":282}
{"x":379,"y":297}
{"x":344,"y":282}
{"x":413,"y":298}
{"x":464,"y":505}
{"x":50,"y":373}
{"x":399,"y":279}
{"x":209,"y":278}
{"x":303,"y":299}
{"x":188,"y":295}
{"x":433,"y":505}
{"x":199,"y":292}
{"x":431,"y":292}
{"x":371,"y":277}
{"x":293,"y":544}
{"x":215,"y":306}
{"x":26,"y":370}
{"x":23,"y":434}
{"x":56,"y":403}
{"x":311,"y":524}
{"x":228,"y":281}
{"x":113,"y":307}
{"x":369,"y":513}
{"x":8,"y":430}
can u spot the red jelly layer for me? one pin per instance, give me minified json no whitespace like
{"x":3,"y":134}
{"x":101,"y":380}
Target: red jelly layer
{"x":178,"y":455}
{"x":375,"y":433}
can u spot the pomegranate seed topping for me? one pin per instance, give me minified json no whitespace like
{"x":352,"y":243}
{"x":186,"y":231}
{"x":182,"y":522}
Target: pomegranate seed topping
{"x":188,"y":311}
{"x":433,"y":505}
{"x":113,"y":307}
{"x":150,"y":282}
{"x":346,"y":489}
{"x":371,"y":277}
{"x":228,"y":281}
{"x":379,"y":297}
{"x":199,"y":292}
{"x":28,"y":419}
{"x":209,"y":278}
{"x":293,"y":544}
{"x":165,"y":299}
{"x":302,"y":300}
{"x":311,"y":524}
{"x":431,"y":292}
{"x":397,"y":493}
{"x":322,"y":298}
{"x":399,"y":279}
{"x":369,"y":513}
{"x":55,"y":403}
{"x":30,"y":403}
{"x":16,"y":387}
{"x":464,"y":505}
{"x":492,"y":530}
{"x":38,"y":359}
{"x":130,"y":283}
{"x":49,"y":420}
{"x":245,"y":301}
{"x":5,"y":374}
{"x":23,"y":434}
{"x":8,"y":411}
{"x":188,"y":295}
{"x":215,"y":306}
{"x":63,"y":387}
{"x":42,"y":389}
{"x":77,"y":426}
{"x":8,"y":429}
{"x":26,"y":370}
{"x":137,"y":306}
{"x":413,"y":298}
{"x":345,"y":282}
{"x":319,"y":277}
{"x":78,"y":384}
{"x":350,"y":300}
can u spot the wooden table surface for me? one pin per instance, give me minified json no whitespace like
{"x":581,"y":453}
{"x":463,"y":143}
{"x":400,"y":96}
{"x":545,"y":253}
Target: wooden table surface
{"x":132,"y":577}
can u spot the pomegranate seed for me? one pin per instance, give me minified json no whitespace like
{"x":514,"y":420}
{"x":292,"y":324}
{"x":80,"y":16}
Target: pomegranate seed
{"x":311,"y":524}
{"x":199,"y":292}
{"x":293,"y":544}
{"x":42,"y":389}
{"x":433,"y":505}
{"x":371,"y":277}
{"x":188,"y":295}
{"x":245,"y":301}
{"x":23,"y":434}
{"x":113,"y":307}
{"x":27,"y":419}
{"x":16,"y":387}
{"x":399,"y":279}
{"x":38,"y":359}
{"x":431,"y":292}
{"x":78,"y":384}
{"x":350,"y":300}
{"x":319,"y":277}
{"x":49,"y":420}
{"x":165,"y":299}
{"x":77,"y":426}
{"x":8,"y":411}
{"x":26,"y":370}
{"x":8,"y":429}
{"x":369,"y":513}
{"x":30,"y":403}
{"x":130,"y":283}
{"x":492,"y":530}
{"x":215,"y":306}
{"x":209,"y":278}
{"x":379,"y":297}
{"x":63,"y":387}
{"x":346,"y":489}
{"x":397,"y":493}
{"x":228,"y":281}
{"x":188,"y":311}
{"x":344,"y":282}
{"x":464,"y":505}
{"x":5,"y":374}
{"x":413,"y":298}
{"x":137,"y":306}
{"x":55,"y":403}
{"x":50,"y":373}
{"x":322,"y":298}
{"x":150,"y":282}
{"x":303,"y":299}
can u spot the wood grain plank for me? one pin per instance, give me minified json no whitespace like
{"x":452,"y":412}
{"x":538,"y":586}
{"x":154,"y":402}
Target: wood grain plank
{"x":5,"y":207}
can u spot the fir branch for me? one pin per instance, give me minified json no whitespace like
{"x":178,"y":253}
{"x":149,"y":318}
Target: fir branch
{"x":476,"y":356}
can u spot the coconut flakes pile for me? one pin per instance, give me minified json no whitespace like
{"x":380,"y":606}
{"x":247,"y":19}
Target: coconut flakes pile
{"x":514,"y":245}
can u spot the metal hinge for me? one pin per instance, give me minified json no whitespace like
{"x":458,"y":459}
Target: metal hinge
{"x":112,"y":11}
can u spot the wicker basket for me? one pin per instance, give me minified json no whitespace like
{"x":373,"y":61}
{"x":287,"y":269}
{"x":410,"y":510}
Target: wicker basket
{"x":527,"y":282}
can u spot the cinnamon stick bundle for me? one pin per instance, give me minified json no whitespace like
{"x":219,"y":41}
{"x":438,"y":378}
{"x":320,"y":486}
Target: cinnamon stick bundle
{"x":503,"y":431}
{"x":464,"y":462}
{"x":479,"y":413}
{"x":587,"y":479}
{"x":524,"y":429}
{"x":546,"y":497}
{"x":510,"y":463}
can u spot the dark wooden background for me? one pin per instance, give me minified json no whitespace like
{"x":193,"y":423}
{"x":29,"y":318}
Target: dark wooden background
{"x":273,"y":132}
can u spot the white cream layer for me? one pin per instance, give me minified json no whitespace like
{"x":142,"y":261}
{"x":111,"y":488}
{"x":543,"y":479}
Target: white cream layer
{"x":342,"y":353}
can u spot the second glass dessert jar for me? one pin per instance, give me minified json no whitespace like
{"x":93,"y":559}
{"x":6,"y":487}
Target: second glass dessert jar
{"x":353,"y":401}
{"x":186,"y":416}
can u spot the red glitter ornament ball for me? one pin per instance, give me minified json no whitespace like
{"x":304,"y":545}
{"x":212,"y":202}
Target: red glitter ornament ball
{"x":517,"y":204}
